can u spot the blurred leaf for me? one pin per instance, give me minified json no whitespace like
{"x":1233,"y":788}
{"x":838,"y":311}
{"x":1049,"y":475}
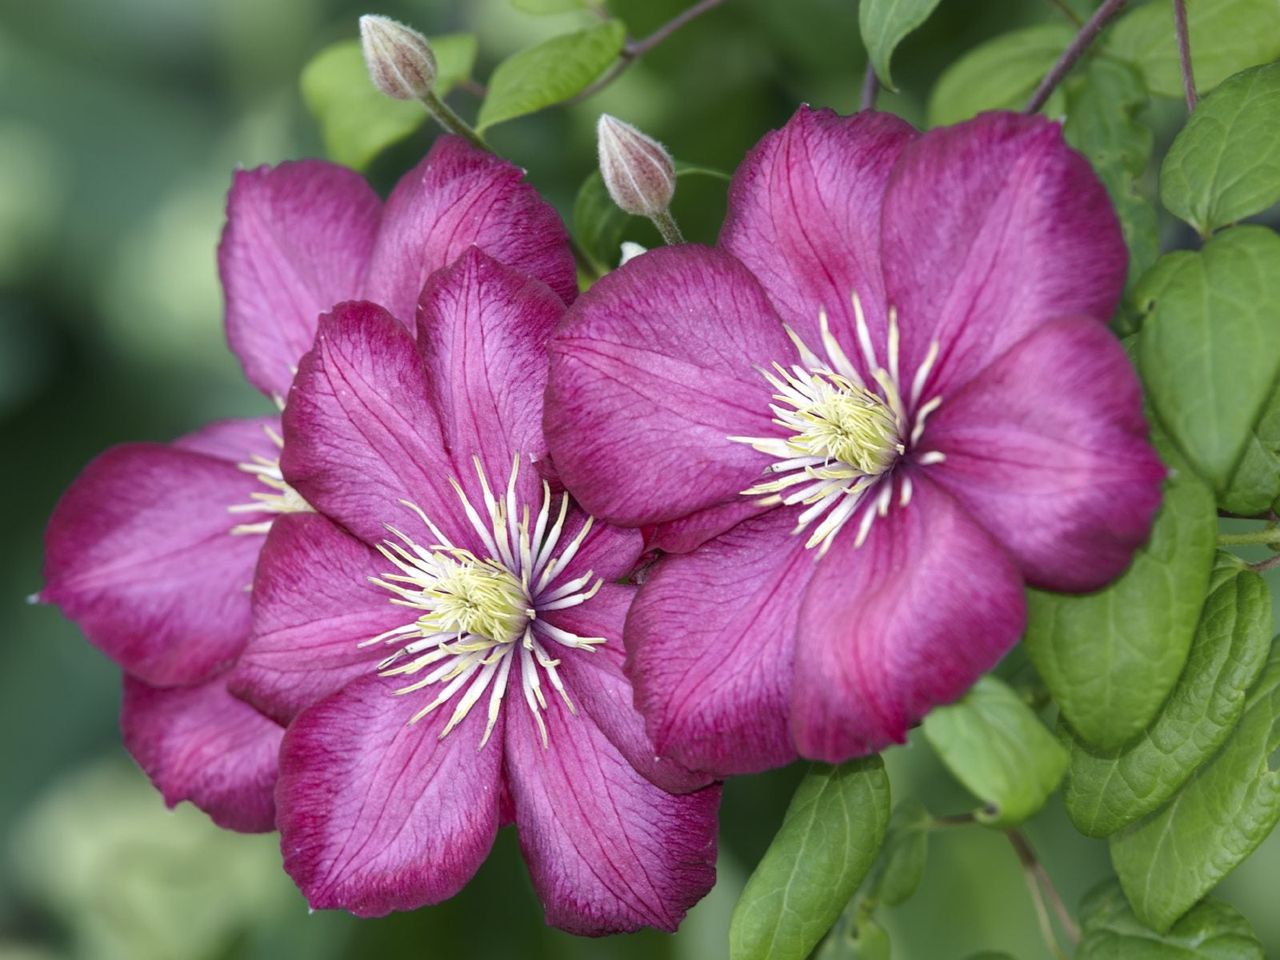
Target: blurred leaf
{"x":1226,"y":36}
{"x":1107,"y":791}
{"x":1173,"y":858}
{"x":999,"y":74}
{"x":358,"y":122}
{"x":541,"y":7}
{"x":550,"y":72}
{"x":1207,"y":351}
{"x":1110,"y":658}
{"x":1256,"y":482}
{"x":826,"y":844}
{"x":1212,"y":931}
{"x":1225,"y":163}
{"x":995,"y":745}
{"x":1102,"y":123}
{"x":884,"y":23}
{"x":900,"y":868}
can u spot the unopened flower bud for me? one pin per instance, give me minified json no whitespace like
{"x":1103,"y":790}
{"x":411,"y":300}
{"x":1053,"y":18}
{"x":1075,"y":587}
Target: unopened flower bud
{"x":637,"y":170}
{"x":399,"y":58}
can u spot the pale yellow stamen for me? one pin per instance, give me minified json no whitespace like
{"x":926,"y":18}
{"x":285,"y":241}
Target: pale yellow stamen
{"x":282,"y":498}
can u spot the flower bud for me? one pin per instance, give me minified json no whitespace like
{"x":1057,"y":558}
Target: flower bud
{"x":399,"y":58}
{"x":637,"y":170}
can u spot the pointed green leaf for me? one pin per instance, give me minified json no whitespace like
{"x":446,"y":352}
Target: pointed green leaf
{"x":900,"y":868}
{"x":358,"y":122}
{"x":1110,"y":658}
{"x":1256,"y":482}
{"x":826,"y":844}
{"x":884,"y":24}
{"x":1000,"y":74}
{"x":995,"y":745}
{"x":1224,"y":165}
{"x":1108,"y":790}
{"x":1174,"y":857}
{"x":1212,"y":931}
{"x":550,"y":72}
{"x":1207,"y":350}
{"x":1226,"y":36}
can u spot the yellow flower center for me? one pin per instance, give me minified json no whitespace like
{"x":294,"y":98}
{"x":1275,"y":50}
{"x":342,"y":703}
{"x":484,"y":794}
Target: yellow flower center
{"x":475,"y":597}
{"x":849,"y":424}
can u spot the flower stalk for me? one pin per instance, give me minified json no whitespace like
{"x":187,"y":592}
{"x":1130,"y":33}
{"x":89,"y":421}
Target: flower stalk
{"x":1075,"y":50}
{"x":1184,"y":53}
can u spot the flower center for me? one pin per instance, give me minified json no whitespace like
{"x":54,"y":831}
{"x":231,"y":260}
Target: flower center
{"x":477,"y":615}
{"x":846,"y":423}
{"x":281,"y":497}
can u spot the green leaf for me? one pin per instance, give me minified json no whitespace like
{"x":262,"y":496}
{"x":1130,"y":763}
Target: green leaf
{"x":884,"y":23}
{"x":1207,"y":351}
{"x":1107,"y":791}
{"x":550,"y":72}
{"x":358,"y":122}
{"x":1212,"y":931}
{"x":995,"y":745}
{"x":1110,"y":658}
{"x":999,"y":74}
{"x":826,"y":845}
{"x":1256,"y":482}
{"x":1173,"y":858}
{"x":1226,"y":36}
{"x":1224,"y":165}
{"x":900,"y":868}
{"x":1102,"y":123}
{"x":543,"y":7}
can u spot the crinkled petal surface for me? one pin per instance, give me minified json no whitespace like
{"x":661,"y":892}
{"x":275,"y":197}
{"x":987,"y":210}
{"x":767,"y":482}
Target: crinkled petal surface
{"x":377,"y":814}
{"x":992,"y":228}
{"x":1048,"y":450}
{"x":459,"y":196}
{"x":313,"y":605}
{"x":804,"y":216}
{"x":905,"y":622}
{"x":298,"y":240}
{"x":651,"y":371}
{"x":236,"y":441}
{"x":201,"y":744}
{"x":711,"y":640}
{"x":608,"y":851}
{"x":139,"y":552}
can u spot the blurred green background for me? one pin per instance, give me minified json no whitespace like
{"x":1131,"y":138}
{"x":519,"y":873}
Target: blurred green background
{"x":120,"y":123}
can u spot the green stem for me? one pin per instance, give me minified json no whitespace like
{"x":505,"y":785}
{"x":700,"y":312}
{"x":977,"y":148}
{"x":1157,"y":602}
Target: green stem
{"x":1271,"y":535}
{"x":1039,"y":884}
{"x":445,"y":116}
{"x":668,"y":227}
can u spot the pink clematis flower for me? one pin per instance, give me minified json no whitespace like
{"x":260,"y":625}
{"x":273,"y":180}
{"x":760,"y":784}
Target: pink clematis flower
{"x":444,"y":637}
{"x":153,"y":548}
{"x":883,"y":404}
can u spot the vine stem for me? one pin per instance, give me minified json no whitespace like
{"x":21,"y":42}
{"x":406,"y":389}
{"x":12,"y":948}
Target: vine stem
{"x":1075,"y":50}
{"x":668,"y":227}
{"x":1262,"y":566}
{"x":1041,"y":886}
{"x":445,"y":116}
{"x":1266,"y":536}
{"x":870,"y":87}
{"x":633,"y":50}
{"x":1184,"y":53}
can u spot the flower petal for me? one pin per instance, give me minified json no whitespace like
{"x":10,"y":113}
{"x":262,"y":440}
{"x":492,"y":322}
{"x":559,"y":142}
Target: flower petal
{"x":599,"y":688}
{"x":905,"y":622}
{"x":608,"y":851}
{"x":139,"y":552}
{"x":1048,"y":450}
{"x":804,"y":216}
{"x":360,"y":432}
{"x":313,"y":606}
{"x":202,"y":744}
{"x":483,"y":331}
{"x":236,"y":441}
{"x":459,"y":196}
{"x":298,"y":240}
{"x":992,"y":228}
{"x":710,"y":640}
{"x":377,"y":814}
{"x":651,"y":371}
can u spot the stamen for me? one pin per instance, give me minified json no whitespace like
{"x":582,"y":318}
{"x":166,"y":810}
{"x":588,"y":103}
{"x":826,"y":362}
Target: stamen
{"x":282,"y":498}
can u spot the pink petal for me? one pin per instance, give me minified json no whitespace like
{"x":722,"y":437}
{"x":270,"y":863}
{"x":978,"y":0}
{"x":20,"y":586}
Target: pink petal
{"x":1048,"y":449}
{"x":992,"y":228}
{"x":608,"y":851}
{"x":139,"y":552}
{"x":297,"y":240}
{"x":459,"y":196}
{"x":234,"y":440}
{"x":360,"y":432}
{"x":609,"y":552}
{"x":600,"y":690}
{"x":905,"y":622}
{"x":313,"y":605}
{"x":687,"y":533}
{"x":483,"y":331}
{"x":804,"y":216}
{"x":202,"y":744}
{"x":651,"y":371}
{"x":711,"y":638}
{"x":377,"y":814}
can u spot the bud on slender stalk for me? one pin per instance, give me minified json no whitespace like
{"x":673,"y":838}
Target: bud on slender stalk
{"x":637,"y":170}
{"x":399,"y":58}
